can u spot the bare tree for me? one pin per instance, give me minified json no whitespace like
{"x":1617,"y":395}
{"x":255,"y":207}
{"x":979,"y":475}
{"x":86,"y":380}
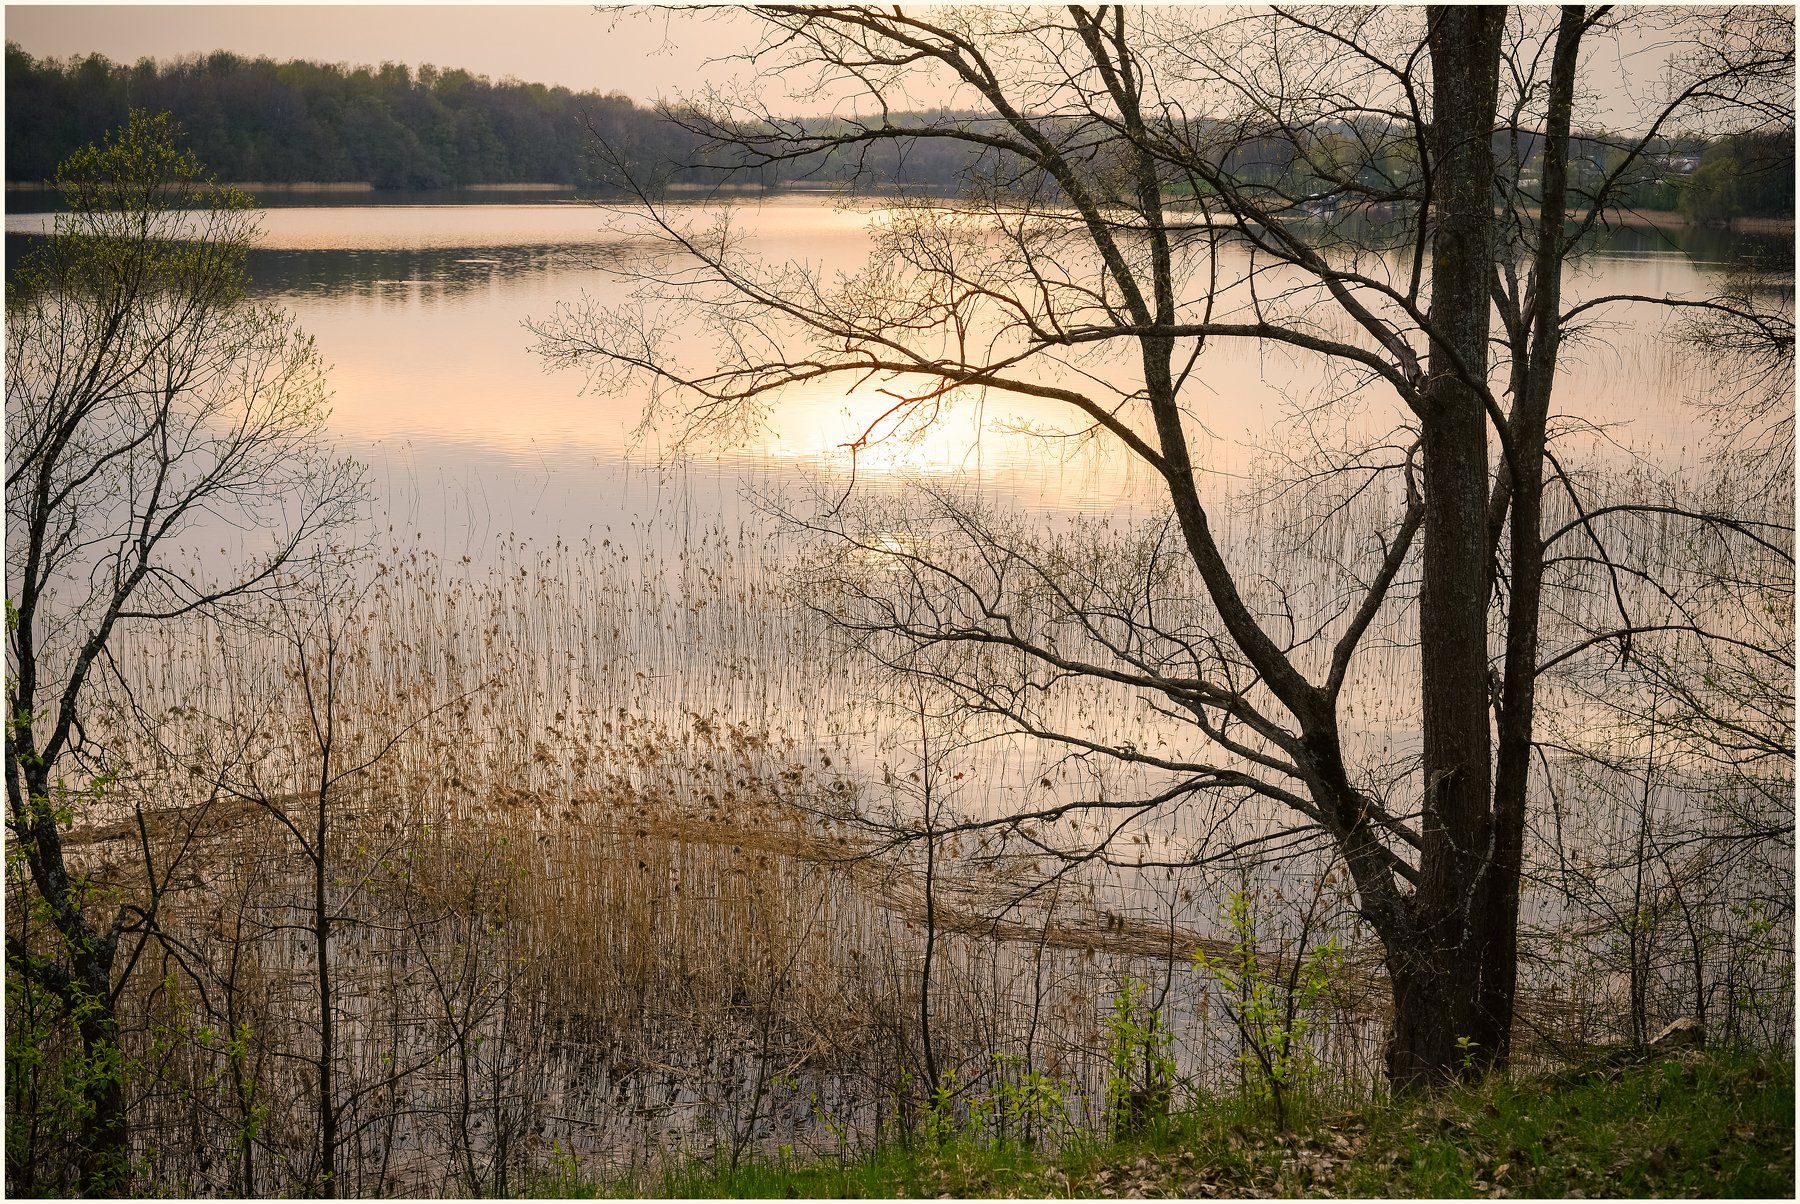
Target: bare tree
{"x":1150,"y":185}
{"x":149,"y":404}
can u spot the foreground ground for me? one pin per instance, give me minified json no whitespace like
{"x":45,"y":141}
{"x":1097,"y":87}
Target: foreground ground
{"x":1691,"y":1125}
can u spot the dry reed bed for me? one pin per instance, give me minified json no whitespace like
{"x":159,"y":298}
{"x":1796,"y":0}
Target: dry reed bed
{"x":590,"y":896}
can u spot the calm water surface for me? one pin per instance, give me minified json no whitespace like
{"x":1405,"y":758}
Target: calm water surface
{"x":419,"y":308}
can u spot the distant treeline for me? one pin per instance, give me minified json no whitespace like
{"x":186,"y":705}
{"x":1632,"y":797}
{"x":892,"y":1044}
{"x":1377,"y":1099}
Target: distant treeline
{"x":257,"y":120}
{"x":297,"y":122}
{"x":1743,"y":175}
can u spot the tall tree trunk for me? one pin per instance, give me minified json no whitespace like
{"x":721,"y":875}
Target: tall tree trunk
{"x":1531,"y":411}
{"x":105,"y":1160}
{"x":1434,"y":980}
{"x":102,"y":1157}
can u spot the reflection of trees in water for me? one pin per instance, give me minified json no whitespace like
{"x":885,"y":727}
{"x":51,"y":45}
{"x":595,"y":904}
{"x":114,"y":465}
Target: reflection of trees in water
{"x":455,"y":270}
{"x":1703,"y":244}
{"x":437,"y":272}
{"x":434,"y":272}
{"x":442,"y":270}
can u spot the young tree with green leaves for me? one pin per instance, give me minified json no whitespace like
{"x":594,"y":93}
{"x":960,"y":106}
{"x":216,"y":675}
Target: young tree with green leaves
{"x":151,"y":403}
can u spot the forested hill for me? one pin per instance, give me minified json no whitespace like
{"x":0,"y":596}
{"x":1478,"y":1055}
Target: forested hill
{"x":282,"y":123}
{"x":260,"y":121}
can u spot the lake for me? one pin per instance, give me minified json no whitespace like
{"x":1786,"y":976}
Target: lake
{"x":475,"y":451}
{"x":644,"y":590}
{"x":482,"y":458}
{"x":419,"y":308}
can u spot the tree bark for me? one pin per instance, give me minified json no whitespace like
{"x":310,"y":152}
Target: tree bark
{"x":102,"y":1158}
{"x":1434,"y":975}
{"x":1531,"y":409}
{"x":105,"y":1160}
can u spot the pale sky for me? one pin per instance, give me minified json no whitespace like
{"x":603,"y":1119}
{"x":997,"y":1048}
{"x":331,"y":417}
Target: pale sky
{"x":644,"y":55}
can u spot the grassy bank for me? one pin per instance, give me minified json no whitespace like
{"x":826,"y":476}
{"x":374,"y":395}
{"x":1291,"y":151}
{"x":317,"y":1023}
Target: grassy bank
{"x":1706,"y":1125}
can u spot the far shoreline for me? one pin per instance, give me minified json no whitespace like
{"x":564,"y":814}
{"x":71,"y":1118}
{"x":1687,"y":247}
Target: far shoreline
{"x":331,"y":186}
{"x":1643,"y":219}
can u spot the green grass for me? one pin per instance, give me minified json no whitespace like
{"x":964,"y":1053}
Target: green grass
{"x":1705,"y":1125}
